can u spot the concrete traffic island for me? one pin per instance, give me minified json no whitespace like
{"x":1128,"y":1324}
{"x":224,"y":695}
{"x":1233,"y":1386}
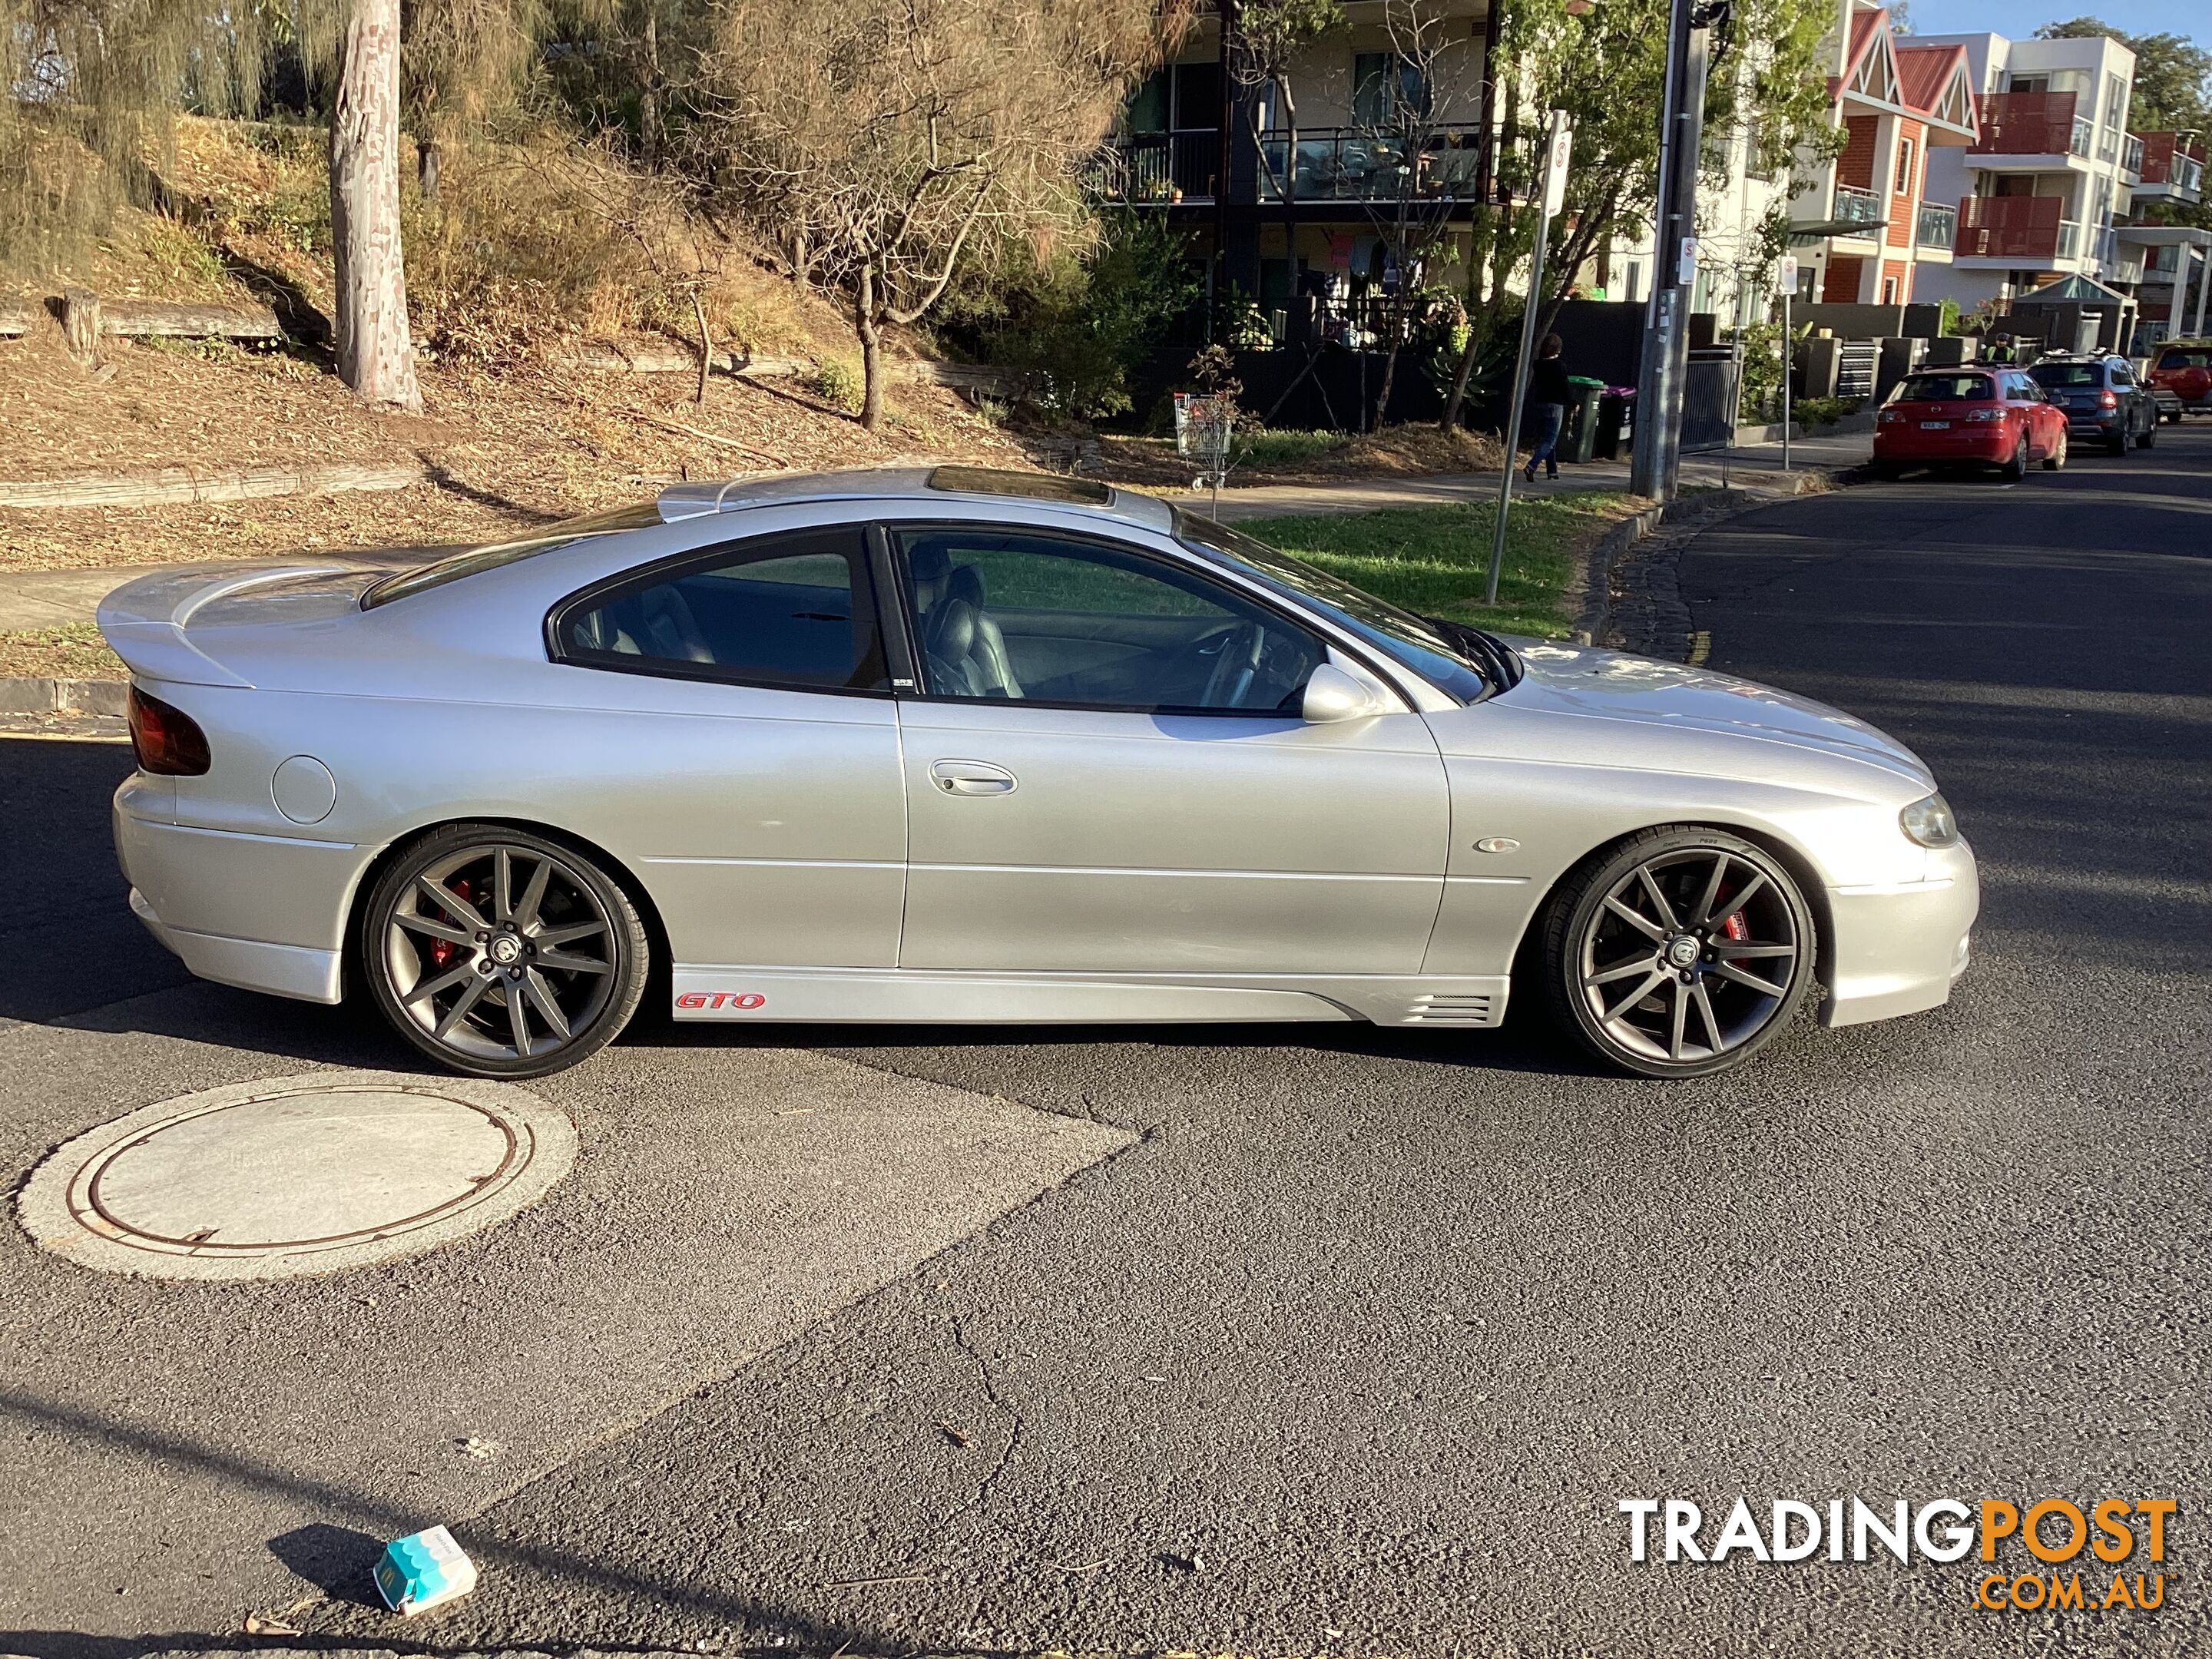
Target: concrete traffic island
{"x":290,"y":1176}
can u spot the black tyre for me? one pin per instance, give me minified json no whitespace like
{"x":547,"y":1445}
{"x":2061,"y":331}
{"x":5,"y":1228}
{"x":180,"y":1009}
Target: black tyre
{"x":2115,"y":442}
{"x":2056,"y":457}
{"x":2149,"y":433}
{"x":1680,"y":951}
{"x":500,"y":953}
{"x":1888,"y":472}
{"x":2017,"y":469}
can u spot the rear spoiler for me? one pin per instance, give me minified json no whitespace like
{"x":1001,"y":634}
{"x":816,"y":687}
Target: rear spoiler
{"x":145,"y":621}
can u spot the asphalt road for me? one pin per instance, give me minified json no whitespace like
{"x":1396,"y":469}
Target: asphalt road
{"x":1354,"y":1339}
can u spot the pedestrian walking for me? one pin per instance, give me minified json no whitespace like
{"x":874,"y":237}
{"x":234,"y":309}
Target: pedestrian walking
{"x":1547,"y":407}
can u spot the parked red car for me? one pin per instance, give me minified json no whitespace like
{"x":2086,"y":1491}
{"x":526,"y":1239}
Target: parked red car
{"x":2185,"y":369}
{"x":1990,"y":417}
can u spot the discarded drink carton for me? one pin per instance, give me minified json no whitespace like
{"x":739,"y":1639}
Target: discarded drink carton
{"x":420,"y":1572}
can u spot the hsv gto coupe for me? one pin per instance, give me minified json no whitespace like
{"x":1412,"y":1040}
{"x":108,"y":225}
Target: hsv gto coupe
{"x":963,"y":745}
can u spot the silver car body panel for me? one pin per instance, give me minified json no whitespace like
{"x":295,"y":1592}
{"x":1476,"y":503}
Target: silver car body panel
{"x":807,"y":859}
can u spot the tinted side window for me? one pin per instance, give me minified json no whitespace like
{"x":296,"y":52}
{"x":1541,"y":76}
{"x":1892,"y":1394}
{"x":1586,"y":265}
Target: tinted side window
{"x":1017,"y":615}
{"x":785,"y":612}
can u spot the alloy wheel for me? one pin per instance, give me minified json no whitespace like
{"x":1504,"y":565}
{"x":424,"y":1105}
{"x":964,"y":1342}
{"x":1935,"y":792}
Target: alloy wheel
{"x":1680,"y":952}
{"x":503,"y":957}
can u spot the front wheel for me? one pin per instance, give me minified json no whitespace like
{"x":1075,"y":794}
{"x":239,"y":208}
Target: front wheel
{"x":500,"y":953}
{"x":2149,"y":433}
{"x":2056,"y":457}
{"x":1678,"y":952}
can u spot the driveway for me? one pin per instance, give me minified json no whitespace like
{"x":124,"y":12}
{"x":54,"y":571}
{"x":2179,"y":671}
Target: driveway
{"x":1282,"y":1340}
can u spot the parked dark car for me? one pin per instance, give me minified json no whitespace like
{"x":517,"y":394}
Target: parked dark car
{"x":2102,"y":400}
{"x":2183,"y":370}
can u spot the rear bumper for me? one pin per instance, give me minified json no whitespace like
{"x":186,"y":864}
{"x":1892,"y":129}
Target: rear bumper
{"x":1989,"y":444}
{"x":266,"y":913}
{"x":1898,"y":948}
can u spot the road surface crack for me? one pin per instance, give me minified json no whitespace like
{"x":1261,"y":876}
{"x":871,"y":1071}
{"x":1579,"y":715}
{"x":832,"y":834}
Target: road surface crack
{"x":987,"y":1380}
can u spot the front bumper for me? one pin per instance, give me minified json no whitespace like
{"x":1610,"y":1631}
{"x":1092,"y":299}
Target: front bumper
{"x":265,"y":912}
{"x":1896,"y":948}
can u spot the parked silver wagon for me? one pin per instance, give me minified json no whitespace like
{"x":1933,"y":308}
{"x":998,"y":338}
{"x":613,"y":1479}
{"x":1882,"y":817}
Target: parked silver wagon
{"x":965,"y":745}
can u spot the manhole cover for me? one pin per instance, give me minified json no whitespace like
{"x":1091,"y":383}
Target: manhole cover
{"x":296,"y":1174}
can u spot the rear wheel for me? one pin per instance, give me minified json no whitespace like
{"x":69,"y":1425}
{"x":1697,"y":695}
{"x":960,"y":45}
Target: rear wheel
{"x":2116,"y":441}
{"x":1888,"y":472}
{"x":2017,"y":469}
{"x":1678,"y":952}
{"x":500,"y":953}
{"x":2056,"y":457}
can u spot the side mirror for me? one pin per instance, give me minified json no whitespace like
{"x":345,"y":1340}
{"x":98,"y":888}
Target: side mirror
{"x":1332,"y":694}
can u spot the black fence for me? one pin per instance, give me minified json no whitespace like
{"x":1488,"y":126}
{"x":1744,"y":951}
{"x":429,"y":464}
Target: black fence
{"x":1708,"y":399}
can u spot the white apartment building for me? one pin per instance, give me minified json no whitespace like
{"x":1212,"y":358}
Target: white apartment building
{"x":2040,"y":191}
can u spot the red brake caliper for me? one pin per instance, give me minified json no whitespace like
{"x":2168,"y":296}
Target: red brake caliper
{"x":1735,"y":927}
{"x":442,"y":950}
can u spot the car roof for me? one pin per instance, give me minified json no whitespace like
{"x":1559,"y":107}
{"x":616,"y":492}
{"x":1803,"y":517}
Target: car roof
{"x":928,"y":489}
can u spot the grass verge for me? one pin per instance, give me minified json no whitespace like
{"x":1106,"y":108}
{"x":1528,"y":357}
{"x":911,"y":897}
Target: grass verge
{"x":72,"y":652}
{"x":1435,"y":559}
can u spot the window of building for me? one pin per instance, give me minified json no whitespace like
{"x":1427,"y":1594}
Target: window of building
{"x":1905,"y":166}
{"x":1889,"y":290}
{"x":1384,"y":87}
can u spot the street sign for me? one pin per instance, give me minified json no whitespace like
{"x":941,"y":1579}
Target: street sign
{"x":1555,"y":162}
{"x":1785,"y":279}
{"x":1686,"y":274}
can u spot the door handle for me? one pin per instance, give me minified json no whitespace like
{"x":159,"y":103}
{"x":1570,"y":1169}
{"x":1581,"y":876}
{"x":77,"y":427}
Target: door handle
{"x":967,"y":777}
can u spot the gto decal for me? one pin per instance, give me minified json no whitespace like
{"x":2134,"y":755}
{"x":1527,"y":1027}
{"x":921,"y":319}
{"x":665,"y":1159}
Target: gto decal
{"x":745,"y":999}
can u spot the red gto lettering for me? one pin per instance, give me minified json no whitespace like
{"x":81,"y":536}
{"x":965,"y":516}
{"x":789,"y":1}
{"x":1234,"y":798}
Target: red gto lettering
{"x":692,"y":999}
{"x":747,"y":1001}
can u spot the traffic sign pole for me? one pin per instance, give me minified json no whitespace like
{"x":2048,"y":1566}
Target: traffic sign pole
{"x":1558,"y":145}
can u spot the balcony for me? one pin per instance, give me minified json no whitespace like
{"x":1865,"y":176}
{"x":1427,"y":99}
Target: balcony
{"x":2170,"y":170}
{"x":1348,"y":164}
{"x":2131,"y":160}
{"x":1164,"y":167}
{"x":2025,"y":229}
{"x":2034,"y":124}
{"x":1857,"y":207}
{"x":1936,"y":225}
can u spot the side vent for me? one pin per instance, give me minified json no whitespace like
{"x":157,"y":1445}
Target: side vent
{"x":1470,"y":1009}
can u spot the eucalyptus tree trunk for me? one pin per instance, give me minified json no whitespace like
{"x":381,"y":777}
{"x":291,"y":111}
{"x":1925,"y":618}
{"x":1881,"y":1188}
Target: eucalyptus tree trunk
{"x":375,"y":356}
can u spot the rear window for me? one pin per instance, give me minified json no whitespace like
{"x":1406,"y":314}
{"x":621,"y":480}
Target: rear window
{"x":2195,"y":357}
{"x":1026,"y":486}
{"x":1944,"y":389}
{"x":2069,"y":373}
{"x":489,"y":556}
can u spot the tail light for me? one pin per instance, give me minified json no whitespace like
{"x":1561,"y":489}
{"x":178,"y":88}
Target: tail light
{"x":2108,"y":400}
{"x":167,"y":740}
{"x":1985,"y":415}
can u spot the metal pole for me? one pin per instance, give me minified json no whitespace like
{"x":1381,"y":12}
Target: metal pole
{"x":1513,"y":409}
{"x":1657,"y":455}
{"x":1785,"y":384}
{"x":2204,"y":288}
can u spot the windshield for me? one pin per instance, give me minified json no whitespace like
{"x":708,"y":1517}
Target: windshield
{"x":1944,"y":389}
{"x":2069,"y":373}
{"x":489,"y":556}
{"x":1426,"y":648}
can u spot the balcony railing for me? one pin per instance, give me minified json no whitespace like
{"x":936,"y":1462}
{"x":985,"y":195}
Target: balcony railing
{"x":1158,"y":166}
{"x":1936,"y":225}
{"x":2168,"y":167}
{"x":2070,"y":239}
{"x":1856,"y":206}
{"x":2018,"y":227}
{"x":1346,"y":164}
{"x":2034,"y":124}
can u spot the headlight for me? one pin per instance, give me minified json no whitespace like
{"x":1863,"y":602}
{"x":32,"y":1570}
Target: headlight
{"x":1930,"y":822}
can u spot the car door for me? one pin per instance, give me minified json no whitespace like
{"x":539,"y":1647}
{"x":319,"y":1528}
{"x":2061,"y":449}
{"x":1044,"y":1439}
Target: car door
{"x":746,"y":731}
{"x":1107,"y":772}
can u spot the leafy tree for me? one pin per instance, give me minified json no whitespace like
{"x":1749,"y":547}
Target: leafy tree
{"x":899,"y":139}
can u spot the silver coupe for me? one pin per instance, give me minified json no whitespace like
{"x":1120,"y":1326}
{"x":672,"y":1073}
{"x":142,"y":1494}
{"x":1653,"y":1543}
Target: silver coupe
{"x":969,"y":745}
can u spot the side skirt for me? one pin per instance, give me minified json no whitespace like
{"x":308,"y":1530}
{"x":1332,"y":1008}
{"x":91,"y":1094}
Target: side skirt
{"x":911,"y":996}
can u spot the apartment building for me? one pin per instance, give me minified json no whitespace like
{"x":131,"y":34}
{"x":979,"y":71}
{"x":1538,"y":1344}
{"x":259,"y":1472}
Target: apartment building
{"x":2173,"y":295}
{"x":2045,"y":184}
{"x":1869,"y":223}
{"x":1863,"y":225}
{"x":1378,"y":131}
